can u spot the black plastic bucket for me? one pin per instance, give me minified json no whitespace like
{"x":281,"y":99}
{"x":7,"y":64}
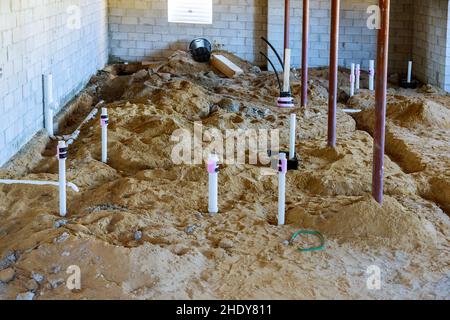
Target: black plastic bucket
{"x":200,"y":49}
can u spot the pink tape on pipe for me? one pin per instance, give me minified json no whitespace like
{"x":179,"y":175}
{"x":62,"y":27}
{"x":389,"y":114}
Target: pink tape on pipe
{"x":212,"y":167}
{"x":285,"y":102}
{"x":285,"y":105}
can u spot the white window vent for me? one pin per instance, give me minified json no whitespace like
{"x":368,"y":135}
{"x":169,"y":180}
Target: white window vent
{"x":190,"y":11}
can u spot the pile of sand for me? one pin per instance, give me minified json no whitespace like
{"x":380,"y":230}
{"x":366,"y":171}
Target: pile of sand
{"x":412,"y":113}
{"x":423,"y":113}
{"x":365,"y":221}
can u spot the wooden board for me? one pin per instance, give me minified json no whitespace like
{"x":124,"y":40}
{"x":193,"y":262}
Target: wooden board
{"x":151,"y":64}
{"x":225,"y":66}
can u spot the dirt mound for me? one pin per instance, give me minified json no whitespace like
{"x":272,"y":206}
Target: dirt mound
{"x":146,"y":272}
{"x":192,"y":101}
{"x":182,"y":272}
{"x":424,"y":113}
{"x":412,"y":112}
{"x":438,"y":189}
{"x":115,"y":88}
{"x":182,"y":63}
{"x":365,"y":221}
{"x":342,"y":171}
{"x":417,"y":131}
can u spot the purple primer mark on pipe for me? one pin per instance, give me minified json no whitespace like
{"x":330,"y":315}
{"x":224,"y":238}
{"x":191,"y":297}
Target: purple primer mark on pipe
{"x":213,"y":167}
{"x":285,"y":102}
{"x":104,"y":121}
{"x":283,"y":166}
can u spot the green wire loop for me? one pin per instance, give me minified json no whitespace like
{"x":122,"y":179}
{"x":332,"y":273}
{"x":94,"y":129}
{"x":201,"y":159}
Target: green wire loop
{"x":314,"y":233}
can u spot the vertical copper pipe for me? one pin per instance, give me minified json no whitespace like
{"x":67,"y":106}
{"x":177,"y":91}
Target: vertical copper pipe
{"x":305,"y":42}
{"x":333,"y":73}
{"x":287,"y":20}
{"x":380,"y":102}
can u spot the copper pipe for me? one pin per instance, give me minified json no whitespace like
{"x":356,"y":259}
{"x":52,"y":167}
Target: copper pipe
{"x":305,"y":42}
{"x":286,"y":61}
{"x":287,"y":19}
{"x":380,"y":102}
{"x":333,"y":73}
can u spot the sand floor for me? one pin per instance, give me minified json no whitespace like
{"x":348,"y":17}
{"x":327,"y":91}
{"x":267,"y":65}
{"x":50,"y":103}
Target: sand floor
{"x":240,"y":253}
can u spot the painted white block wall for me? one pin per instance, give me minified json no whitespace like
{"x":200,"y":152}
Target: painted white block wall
{"x":140,"y":29}
{"x":401,"y":35}
{"x":431,"y":47}
{"x":35,"y":39}
{"x":447,"y":50}
{"x":357,"y":43}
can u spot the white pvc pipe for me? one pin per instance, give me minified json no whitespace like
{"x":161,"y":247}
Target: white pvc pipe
{"x":275,"y":162}
{"x":72,"y":137}
{"x":287,"y":70}
{"x":410,"y":65}
{"x":352,"y":80}
{"x":104,"y":125}
{"x":213,"y":168}
{"x":49,"y":121}
{"x":358,"y":77}
{"x":351,"y":110}
{"x":282,"y":189}
{"x":371,"y":74}
{"x":62,"y":156}
{"x":48,"y":89}
{"x":292,"y":136}
{"x":48,"y":103}
{"x":39,"y":183}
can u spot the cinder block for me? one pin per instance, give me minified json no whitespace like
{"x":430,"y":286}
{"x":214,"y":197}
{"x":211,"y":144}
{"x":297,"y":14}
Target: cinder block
{"x":38,"y":28}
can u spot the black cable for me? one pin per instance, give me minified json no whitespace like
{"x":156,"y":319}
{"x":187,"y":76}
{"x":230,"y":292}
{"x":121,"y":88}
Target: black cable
{"x":275,"y":51}
{"x":273,"y":67}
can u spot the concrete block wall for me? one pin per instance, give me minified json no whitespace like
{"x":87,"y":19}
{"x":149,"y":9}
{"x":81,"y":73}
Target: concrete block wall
{"x":275,"y":28}
{"x":447,"y":50}
{"x":431,"y":47}
{"x":35,"y":39}
{"x":401,"y":35}
{"x":357,"y":43}
{"x":139,"y":29}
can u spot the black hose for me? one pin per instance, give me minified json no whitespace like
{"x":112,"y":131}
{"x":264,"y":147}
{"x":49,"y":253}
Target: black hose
{"x":273,"y":67}
{"x":275,"y":51}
